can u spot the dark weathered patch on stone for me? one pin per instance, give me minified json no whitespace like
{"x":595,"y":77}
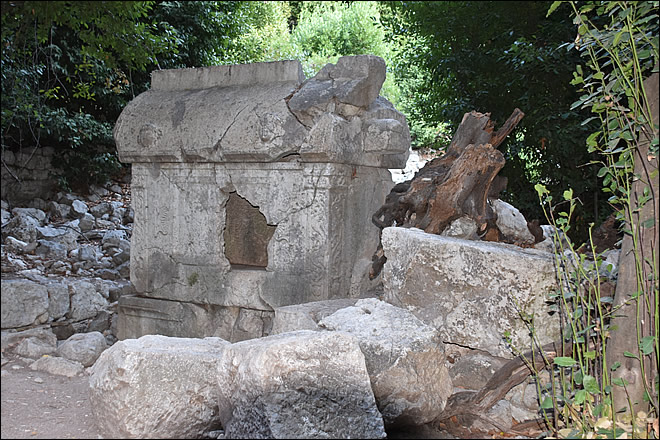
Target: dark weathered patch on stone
{"x":246,"y":233}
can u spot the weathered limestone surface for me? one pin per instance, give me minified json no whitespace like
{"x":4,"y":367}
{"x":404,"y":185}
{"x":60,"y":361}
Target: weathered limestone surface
{"x":470,"y":290}
{"x":24,"y":302}
{"x":149,"y":316}
{"x":304,"y":384}
{"x":511,"y":222}
{"x":254,"y":189}
{"x":307,"y":316}
{"x":157,"y":387}
{"x":405,"y":359}
{"x":83,"y":347}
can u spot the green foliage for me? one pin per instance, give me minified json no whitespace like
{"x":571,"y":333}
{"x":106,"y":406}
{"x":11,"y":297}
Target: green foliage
{"x":577,"y":396}
{"x":493,"y":57}
{"x":580,"y":387}
{"x":69,"y":68}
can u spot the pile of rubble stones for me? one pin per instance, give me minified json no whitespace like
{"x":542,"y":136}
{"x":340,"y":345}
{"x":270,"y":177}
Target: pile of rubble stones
{"x":65,"y":262}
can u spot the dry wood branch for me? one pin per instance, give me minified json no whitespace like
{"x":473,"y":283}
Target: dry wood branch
{"x":455,"y":185}
{"x":463,"y":408}
{"x":507,"y":128}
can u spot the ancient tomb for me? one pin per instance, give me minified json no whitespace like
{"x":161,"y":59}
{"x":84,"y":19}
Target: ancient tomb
{"x":254,"y":189}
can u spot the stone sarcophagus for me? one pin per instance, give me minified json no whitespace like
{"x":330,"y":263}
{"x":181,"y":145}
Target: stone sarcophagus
{"x":254,"y":189}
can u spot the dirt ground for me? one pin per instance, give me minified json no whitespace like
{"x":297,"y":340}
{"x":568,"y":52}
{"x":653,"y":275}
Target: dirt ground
{"x":36,"y":404}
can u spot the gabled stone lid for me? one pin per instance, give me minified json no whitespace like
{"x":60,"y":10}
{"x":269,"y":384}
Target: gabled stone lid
{"x":264,"y":112}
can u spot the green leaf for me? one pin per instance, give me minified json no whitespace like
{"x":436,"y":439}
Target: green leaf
{"x":591,"y":384}
{"x":553,"y":6}
{"x":646,"y":344}
{"x":568,"y":194}
{"x":547,"y":403}
{"x":563,"y":361}
{"x":580,"y":397}
{"x":603,"y":171}
{"x":629,"y":354}
{"x":619,"y":382}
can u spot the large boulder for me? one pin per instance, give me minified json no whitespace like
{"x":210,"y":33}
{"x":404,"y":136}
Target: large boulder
{"x":405,"y":359}
{"x":473,"y":292}
{"x":83,"y":347}
{"x":24,"y":302}
{"x":157,"y":387}
{"x":303,"y":384}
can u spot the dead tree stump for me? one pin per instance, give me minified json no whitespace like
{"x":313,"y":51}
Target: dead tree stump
{"x":457,"y":184}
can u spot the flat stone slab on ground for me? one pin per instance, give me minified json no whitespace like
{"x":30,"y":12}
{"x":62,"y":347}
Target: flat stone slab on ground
{"x":303,"y":384}
{"x":157,"y":387}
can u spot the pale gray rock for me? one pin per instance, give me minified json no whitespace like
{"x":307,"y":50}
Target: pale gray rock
{"x":58,"y":366}
{"x":58,"y":210}
{"x":4,"y":217}
{"x":36,"y":346}
{"x":89,"y":253}
{"x":303,"y":384}
{"x":50,"y":249}
{"x":101,"y":209}
{"x":24,"y":302}
{"x":108,"y":274}
{"x":66,"y":198}
{"x":463,"y":227}
{"x":113,"y":236}
{"x":79,"y":209}
{"x":86,"y":302}
{"x":35,"y":213}
{"x":21,"y":226}
{"x":405,"y":359}
{"x":124,"y":270}
{"x":11,"y":338}
{"x":511,"y":222}
{"x":104,"y":224}
{"x":554,"y":239}
{"x":98,"y":190}
{"x":524,"y":401}
{"x":127,"y":218}
{"x":306,"y":316}
{"x":86,"y":222}
{"x":610,"y":265}
{"x":157,"y":387}
{"x":354,"y":82}
{"x":66,"y":236}
{"x":121,"y":256}
{"x":15,"y":245}
{"x":83,"y":347}
{"x":15,"y":264}
{"x":58,"y":300}
{"x":101,"y":322}
{"x":471,"y":291}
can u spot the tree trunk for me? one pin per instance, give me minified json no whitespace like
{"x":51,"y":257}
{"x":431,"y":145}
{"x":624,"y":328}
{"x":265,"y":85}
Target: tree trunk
{"x":457,"y":184}
{"x":638,"y":272}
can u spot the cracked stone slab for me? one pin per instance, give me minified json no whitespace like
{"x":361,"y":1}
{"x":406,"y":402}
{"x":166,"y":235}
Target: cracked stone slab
{"x":302,"y":384}
{"x":471,"y":291}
